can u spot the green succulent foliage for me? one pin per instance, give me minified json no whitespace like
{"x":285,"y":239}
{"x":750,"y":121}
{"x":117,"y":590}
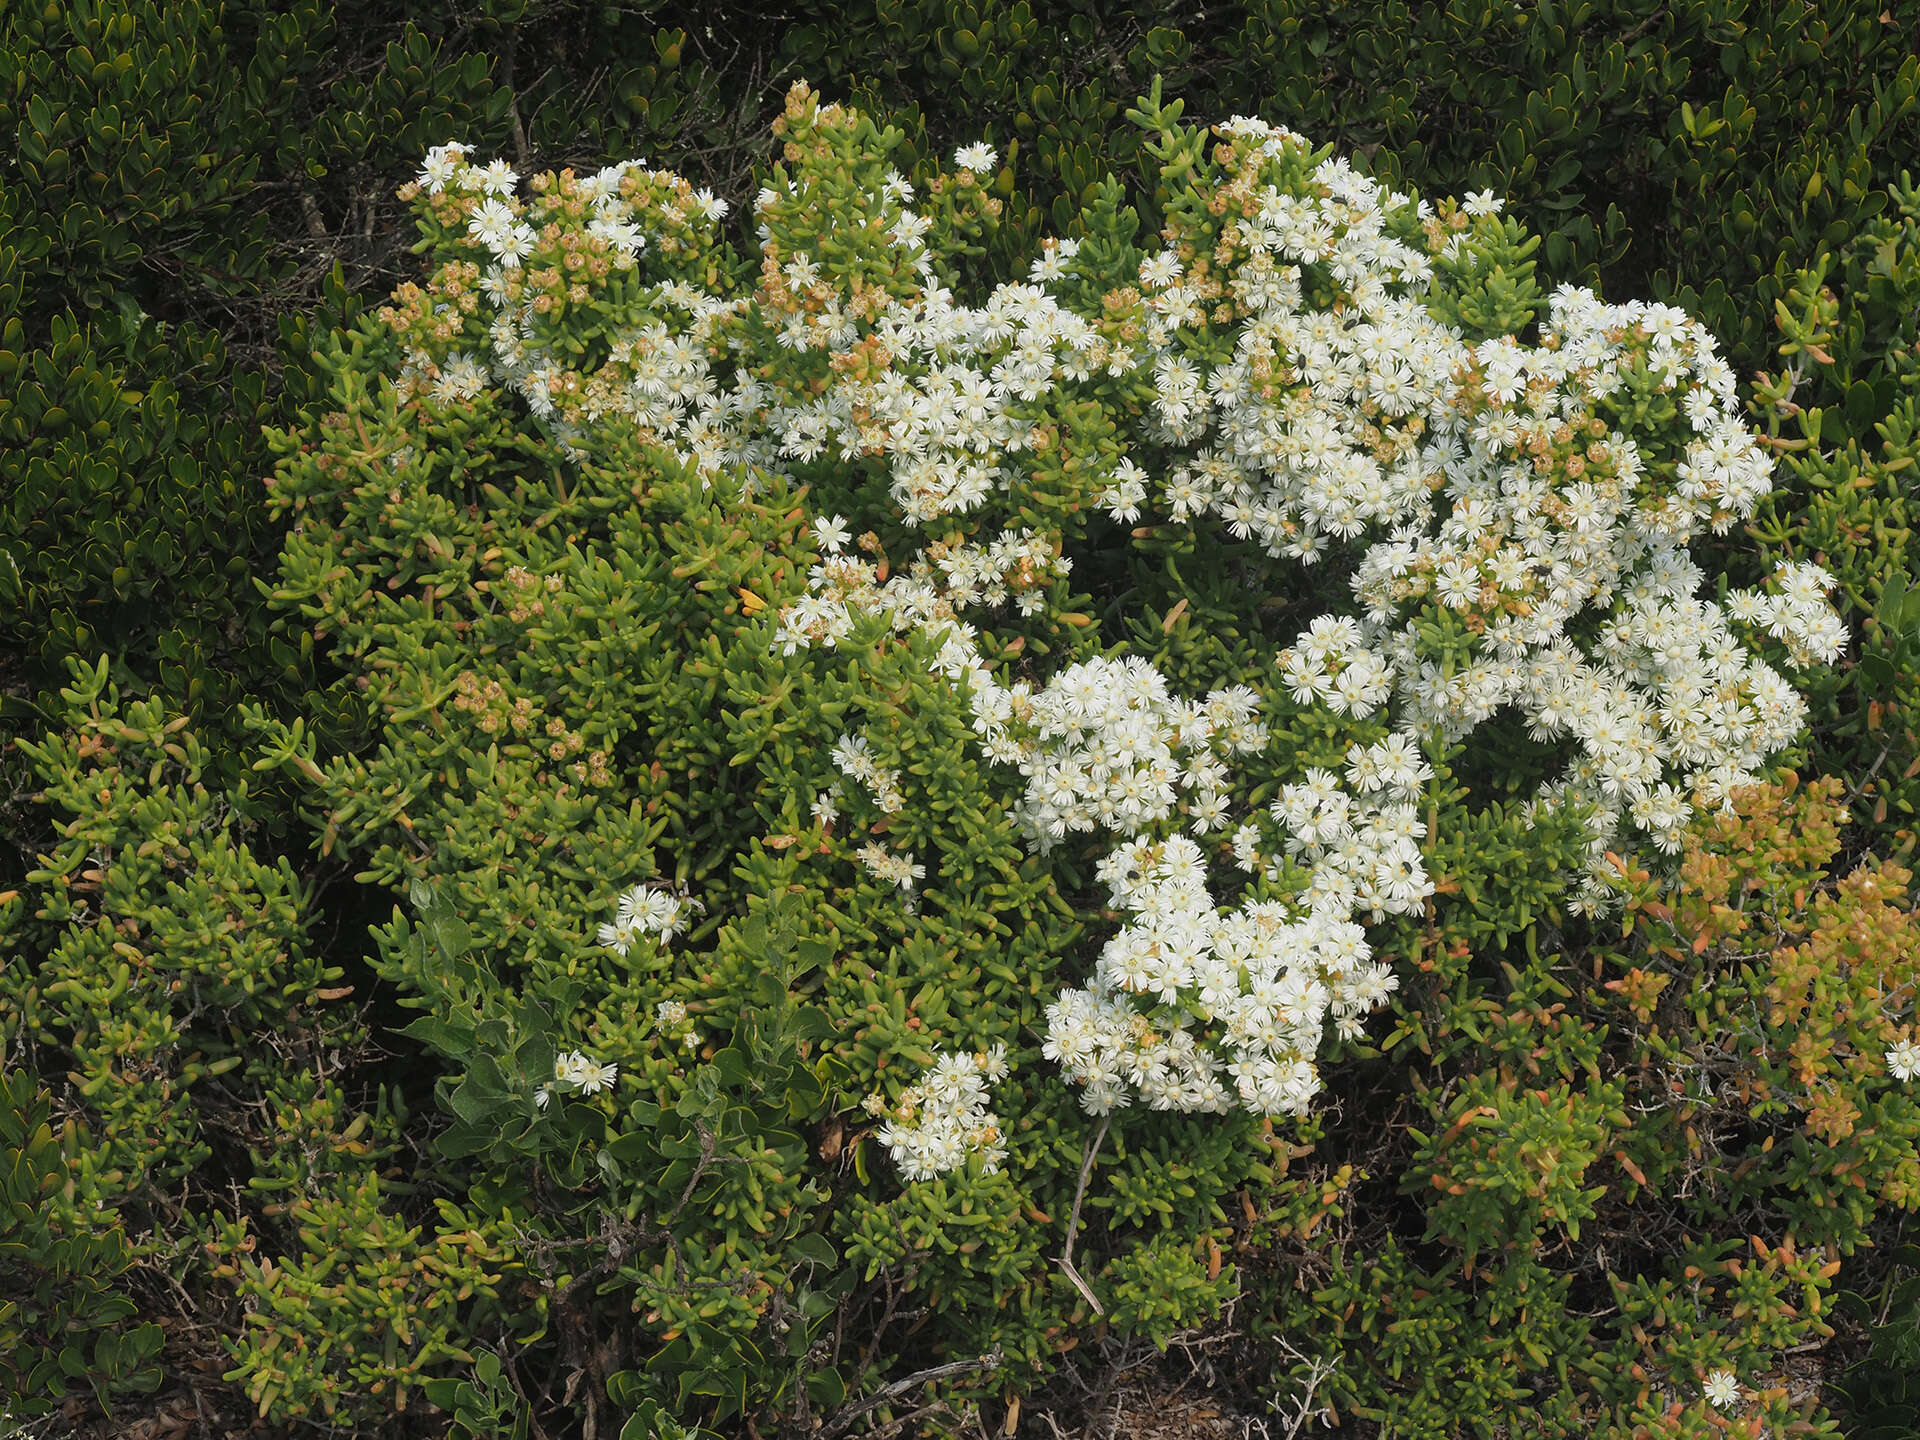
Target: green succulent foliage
{"x":159,"y":947}
{"x":1511,"y":1162}
{"x":1844,"y":414}
{"x":64,"y":1316}
{"x":603,"y":709}
{"x":1492,"y":289}
{"x":1569,"y":1107}
{"x":167,"y":967}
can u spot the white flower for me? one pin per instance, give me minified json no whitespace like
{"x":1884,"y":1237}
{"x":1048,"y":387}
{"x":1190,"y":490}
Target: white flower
{"x":1903,"y":1060}
{"x":1482,"y":202}
{"x":623,"y":235}
{"x":443,"y":163}
{"x":1160,"y":270}
{"x":498,"y":178}
{"x":831,"y":531}
{"x":595,"y":1078}
{"x":909,"y":230}
{"x":1722,"y":1389}
{"x":491,"y":221}
{"x":978,"y":158}
{"x":647,"y":911}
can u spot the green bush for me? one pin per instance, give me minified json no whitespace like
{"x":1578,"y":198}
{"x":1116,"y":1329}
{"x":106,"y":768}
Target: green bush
{"x":1842,"y":414}
{"x":593,"y":668}
{"x":63,"y":1316}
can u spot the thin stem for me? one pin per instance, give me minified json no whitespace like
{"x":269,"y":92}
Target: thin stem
{"x":1073,"y":1220}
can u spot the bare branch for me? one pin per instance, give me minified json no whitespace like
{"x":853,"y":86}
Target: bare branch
{"x":894,"y":1390}
{"x":1073,"y":1220}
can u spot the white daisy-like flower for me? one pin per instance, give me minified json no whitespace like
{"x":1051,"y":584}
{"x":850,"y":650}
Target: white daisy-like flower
{"x":443,"y":163}
{"x":1482,"y":202}
{"x":831,"y":531}
{"x":498,"y":178}
{"x":1903,"y":1060}
{"x":1160,"y":270}
{"x":977,"y":158}
{"x":1722,"y":1389}
{"x":595,"y":1078}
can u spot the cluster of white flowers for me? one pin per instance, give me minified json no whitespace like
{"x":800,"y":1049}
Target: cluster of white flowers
{"x":1097,"y":747}
{"x":896,"y":868}
{"x":1799,"y":615}
{"x":461,"y":377}
{"x":1363,"y":847}
{"x":1332,"y":666}
{"x":1267,"y":975}
{"x":943,"y":1118}
{"x":575,"y":1071}
{"x":647,"y":910}
{"x":1503,"y":489}
{"x":671,"y":1016}
{"x":1017,"y":565}
{"x":853,"y":756}
{"x":842,"y":588}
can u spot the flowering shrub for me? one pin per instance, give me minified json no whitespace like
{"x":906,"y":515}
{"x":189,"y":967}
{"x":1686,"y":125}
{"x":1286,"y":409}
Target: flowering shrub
{"x":1519,"y":486}
{"x":595,"y":485}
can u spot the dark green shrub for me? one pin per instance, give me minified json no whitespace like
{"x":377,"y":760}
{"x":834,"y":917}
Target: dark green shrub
{"x":62,"y":1313}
